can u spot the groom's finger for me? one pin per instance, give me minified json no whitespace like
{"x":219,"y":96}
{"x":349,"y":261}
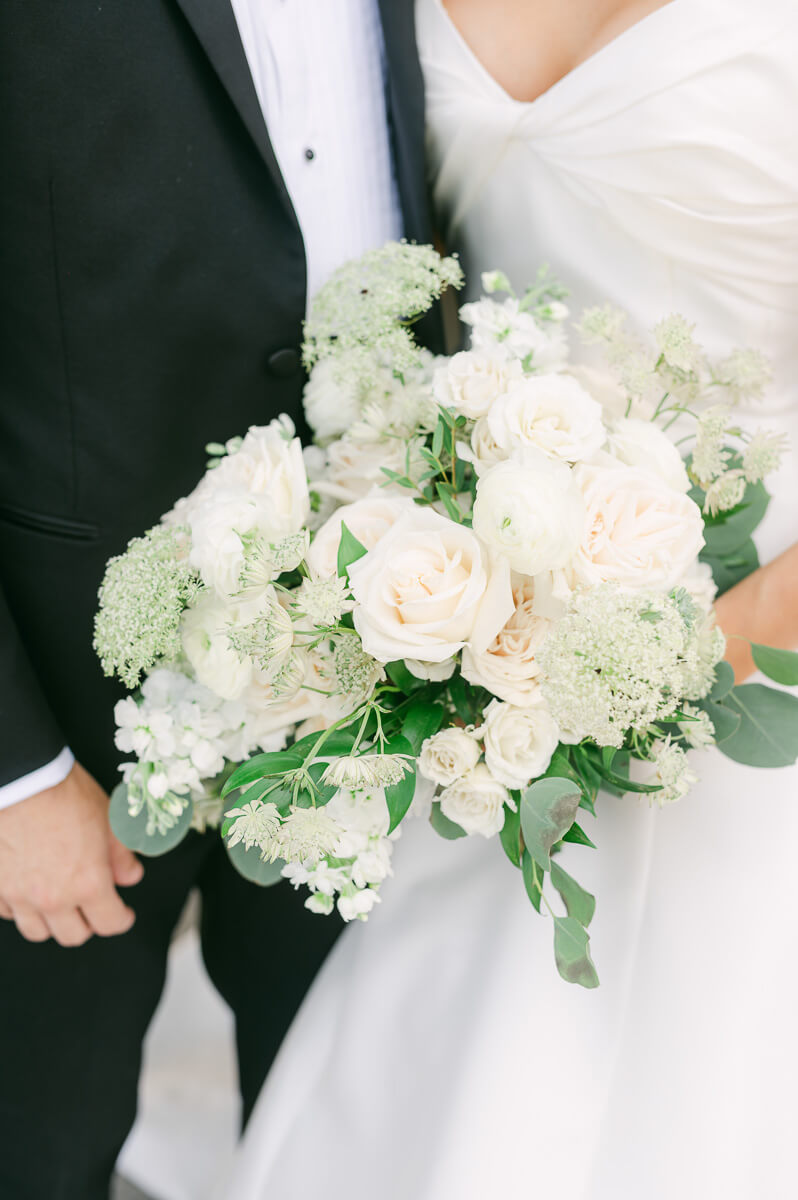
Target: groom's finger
{"x":68,"y":927}
{"x":5,"y":912}
{"x":30,"y":923}
{"x":108,"y":915}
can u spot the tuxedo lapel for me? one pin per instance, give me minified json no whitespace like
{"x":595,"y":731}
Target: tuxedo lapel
{"x":215,"y":27}
{"x":406,"y":113}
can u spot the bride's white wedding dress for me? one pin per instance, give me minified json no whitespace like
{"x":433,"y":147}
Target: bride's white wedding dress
{"x":439,"y":1055}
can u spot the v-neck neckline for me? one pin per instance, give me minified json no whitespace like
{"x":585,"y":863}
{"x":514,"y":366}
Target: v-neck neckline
{"x":565,"y":80}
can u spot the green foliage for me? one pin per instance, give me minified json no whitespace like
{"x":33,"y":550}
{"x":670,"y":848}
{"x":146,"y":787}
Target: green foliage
{"x":548,"y":809}
{"x":768,"y":731}
{"x":572,"y":953}
{"x":724,"y":681}
{"x":422,"y":720}
{"x":443,"y":826}
{"x":399,"y":796}
{"x":510,"y":835}
{"x":533,"y":879}
{"x":780,"y":665}
{"x":730,"y":569}
{"x":578,"y":903}
{"x":132,"y":831}
{"x":349,"y":551}
{"x":252,"y":866}
{"x":577,"y":834}
{"x":405,"y":680}
{"x":263,"y":766}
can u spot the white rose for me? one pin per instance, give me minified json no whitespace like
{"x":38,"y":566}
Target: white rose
{"x":426,"y":589}
{"x":433,"y":672}
{"x":331,"y":404}
{"x":484,"y":451}
{"x":505,"y":326}
{"x":367,"y":520}
{"x":551,"y":412}
{"x":699,"y":582}
{"x":476,"y":802}
{"x":355,"y":468}
{"x":470,"y":381}
{"x":639,"y":532}
{"x":448,"y":755}
{"x":519,"y":742}
{"x":530,"y":511}
{"x":639,"y":443}
{"x":207,"y":644}
{"x":508,"y":667}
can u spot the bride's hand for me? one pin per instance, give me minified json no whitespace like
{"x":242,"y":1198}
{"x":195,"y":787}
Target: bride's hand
{"x":762,"y":608}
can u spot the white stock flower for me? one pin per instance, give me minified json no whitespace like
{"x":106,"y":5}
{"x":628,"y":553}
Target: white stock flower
{"x":476,"y":802}
{"x":552,"y":413}
{"x":426,"y":589}
{"x":357,"y":904}
{"x":638,"y":443}
{"x":505,"y":325}
{"x":368,"y":520}
{"x":519,"y":742}
{"x":469,"y":382}
{"x":508,"y":667}
{"x":529,"y":510}
{"x":448,"y":756}
{"x":639,"y":532}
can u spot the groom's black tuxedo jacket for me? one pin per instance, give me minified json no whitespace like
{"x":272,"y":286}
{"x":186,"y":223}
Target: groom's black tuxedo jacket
{"x":152,"y":288}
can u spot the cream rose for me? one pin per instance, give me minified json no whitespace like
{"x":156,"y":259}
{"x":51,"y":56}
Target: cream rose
{"x":354,"y":467}
{"x":476,"y":802}
{"x":519,"y":742}
{"x":553,"y":413}
{"x":640,"y":443}
{"x":426,"y":589}
{"x":484,"y":452}
{"x":639,"y":532}
{"x":529,"y":510}
{"x":470,"y":381}
{"x":368,"y":520}
{"x":448,"y":755}
{"x":508,"y":667}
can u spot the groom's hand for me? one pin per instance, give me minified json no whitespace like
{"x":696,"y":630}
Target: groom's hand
{"x":60,"y":865}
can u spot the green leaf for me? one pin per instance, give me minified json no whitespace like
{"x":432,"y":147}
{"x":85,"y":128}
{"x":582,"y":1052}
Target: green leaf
{"x":572,"y":953}
{"x":443,"y":826}
{"x":449,"y":503}
{"x":132,"y":831}
{"x":437,"y":438}
{"x":349,"y":550}
{"x":578,"y":903}
{"x":405,"y":680}
{"x":422,"y":721}
{"x":577,"y":835}
{"x":533,"y":879}
{"x":250,"y":864}
{"x":324,"y":791}
{"x":723,"y":719}
{"x":459,"y":692}
{"x":510,"y":835}
{"x":262,"y":766}
{"x":724,"y":681}
{"x":730,"y":569}
{"x":399,"y":796}
{"x":728,"y":532}
{"x":768,"y":733}
{"x":339,"y":742}
{"x":781,"y":665}
{"x":548,"y":809}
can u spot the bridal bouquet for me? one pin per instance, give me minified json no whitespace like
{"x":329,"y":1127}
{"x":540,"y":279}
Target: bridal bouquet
{"x":481,"y":597}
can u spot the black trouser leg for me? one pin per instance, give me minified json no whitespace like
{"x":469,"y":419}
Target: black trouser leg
{"x":72,"y":1023}
{"x":262,"y":949}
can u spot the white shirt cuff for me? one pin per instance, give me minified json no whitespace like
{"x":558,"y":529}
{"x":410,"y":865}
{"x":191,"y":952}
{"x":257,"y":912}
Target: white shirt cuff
{"x":48,"y":776}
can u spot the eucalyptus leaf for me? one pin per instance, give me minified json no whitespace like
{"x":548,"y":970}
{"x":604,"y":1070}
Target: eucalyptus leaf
{"x":132,"y":831}
{"x":727,"y":532}
{"x":578,"y":903}
{"x":730,"y":569}
{"x":781,"y":665}
{"x":250,"y":864}
{"x":724,"y":681}
{"x":572,"y":953}
{"x":725,"y":721}
{"x":349,"y":550}
{"x":443,"y":826}
{"x":548,"y":809}
{"x":768,"y":732}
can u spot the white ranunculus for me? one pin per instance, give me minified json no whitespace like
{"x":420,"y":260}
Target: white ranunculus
{"x":529,"y":510}
{"x":476,"y":802}
{"x":506,"y":326}
{"x":217,"y":528}
{"x":551,"y":412}
{"x":331,"y":404}
{"x":639,"y":533}
{"x":368,"y":520}
{"x":519,"y":742}
{"x":448,"y":755}
{"x":207,"y":645}
{"x":508,"y":667}
{"x":639,"y":443}
{"x":470,"y":381}
{"x":426,"y":589}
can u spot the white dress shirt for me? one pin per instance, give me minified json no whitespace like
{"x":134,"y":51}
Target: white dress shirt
{"x":319,"y":72}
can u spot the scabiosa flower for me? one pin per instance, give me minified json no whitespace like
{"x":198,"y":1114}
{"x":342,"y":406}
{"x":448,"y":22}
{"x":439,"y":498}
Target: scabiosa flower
{"x":255,"y":824}
{"x":323,"y":601}
{"x":142,"y":597}
{"x":674,"y":337}
{"x":672,"y":771}
{"x":366,"y":771}
{"x":306,"y":836}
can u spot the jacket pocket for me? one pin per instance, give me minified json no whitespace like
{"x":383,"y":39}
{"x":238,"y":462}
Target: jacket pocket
{"x":48,"y":523}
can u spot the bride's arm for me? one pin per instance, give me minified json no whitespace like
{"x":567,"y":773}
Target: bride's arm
{"x":763,"y":608}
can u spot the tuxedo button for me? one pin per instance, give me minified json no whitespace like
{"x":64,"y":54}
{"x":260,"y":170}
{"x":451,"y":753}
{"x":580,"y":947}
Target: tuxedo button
{"x":284,"y":363}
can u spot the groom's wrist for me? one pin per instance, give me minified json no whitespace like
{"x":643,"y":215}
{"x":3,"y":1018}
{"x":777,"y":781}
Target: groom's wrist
{"x":47,"y":776}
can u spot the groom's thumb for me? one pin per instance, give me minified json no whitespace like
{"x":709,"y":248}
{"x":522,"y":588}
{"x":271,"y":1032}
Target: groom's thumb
{"x":125,"y":867}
